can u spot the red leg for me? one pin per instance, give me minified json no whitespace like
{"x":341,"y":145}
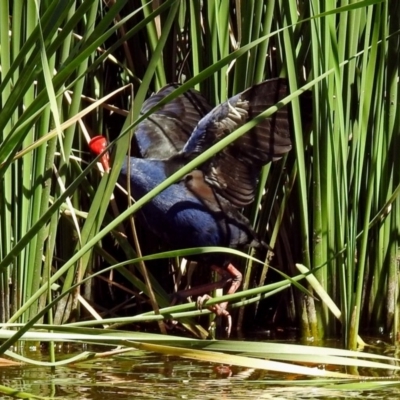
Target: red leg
{"x":228,"y":274}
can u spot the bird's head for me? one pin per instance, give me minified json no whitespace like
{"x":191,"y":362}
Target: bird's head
{"x":97,"y":146}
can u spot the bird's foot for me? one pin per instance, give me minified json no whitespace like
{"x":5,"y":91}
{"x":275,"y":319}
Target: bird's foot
{"x":218,"y":309}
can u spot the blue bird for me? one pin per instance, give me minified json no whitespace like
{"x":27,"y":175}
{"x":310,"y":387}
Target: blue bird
{"x":203,"y":208}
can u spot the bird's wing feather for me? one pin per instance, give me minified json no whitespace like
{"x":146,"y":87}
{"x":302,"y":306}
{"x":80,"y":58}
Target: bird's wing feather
{"x":234,"y":171}
{"x":166,"y":131}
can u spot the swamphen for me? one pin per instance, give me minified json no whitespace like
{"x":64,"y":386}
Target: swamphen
{"x":203,"y":208}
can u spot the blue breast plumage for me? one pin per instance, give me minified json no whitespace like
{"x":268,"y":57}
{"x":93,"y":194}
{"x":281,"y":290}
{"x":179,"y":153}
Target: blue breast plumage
{"x":203,"y":208}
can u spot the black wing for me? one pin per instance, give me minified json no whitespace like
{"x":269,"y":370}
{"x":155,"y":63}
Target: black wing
{"x":166,"y":131}
{"x":234,"y":171}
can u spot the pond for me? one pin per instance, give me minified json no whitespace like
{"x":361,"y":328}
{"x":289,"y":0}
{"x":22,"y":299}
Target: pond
{"x":145,"y":375}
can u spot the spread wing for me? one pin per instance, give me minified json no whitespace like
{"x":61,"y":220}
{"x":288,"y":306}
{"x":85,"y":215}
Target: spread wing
{"x":234,"y":171}
{"x":167,"y":130}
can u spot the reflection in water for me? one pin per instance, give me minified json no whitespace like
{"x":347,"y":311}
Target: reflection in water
{"x":143,"y":375}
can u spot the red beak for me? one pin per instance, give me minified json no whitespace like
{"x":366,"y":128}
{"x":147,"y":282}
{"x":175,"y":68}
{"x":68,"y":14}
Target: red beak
{"x":97,"y":146}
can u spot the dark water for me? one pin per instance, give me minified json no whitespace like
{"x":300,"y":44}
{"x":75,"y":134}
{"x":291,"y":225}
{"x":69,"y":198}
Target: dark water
{"x":142,"y":375}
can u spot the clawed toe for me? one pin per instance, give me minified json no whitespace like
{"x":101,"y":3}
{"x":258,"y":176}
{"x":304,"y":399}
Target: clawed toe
{"x":218,"y":309}
{"x":200,"y":301}
{"x":229,"y":276}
